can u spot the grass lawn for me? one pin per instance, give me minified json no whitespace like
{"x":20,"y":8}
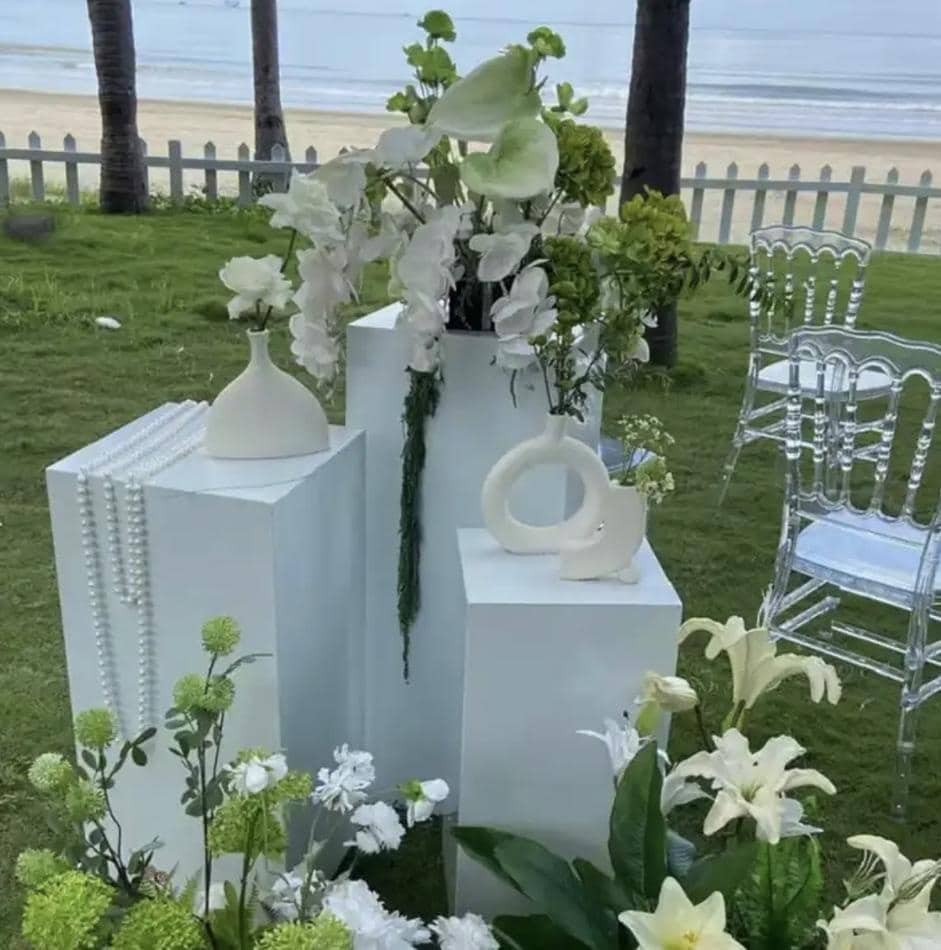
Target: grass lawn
{"x":63,"y":383}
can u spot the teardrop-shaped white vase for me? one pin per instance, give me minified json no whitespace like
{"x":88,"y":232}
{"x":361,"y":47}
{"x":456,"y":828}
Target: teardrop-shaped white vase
{"x":552,"y":447}
{"x":610,"y":550}
{"x":265,"y":413}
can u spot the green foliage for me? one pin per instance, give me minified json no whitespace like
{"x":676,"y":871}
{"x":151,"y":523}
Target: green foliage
{"x":85,"y":802}
{"x":95,"y":728}
{"x":159,"y":924}
{"x":546,"y":43}
{"x":50,"y":773}
{"x":438,"y":25}
{"x":221,"y":635}
{"x":214,"y":694}
{"x":573,"y":280}
{"x":567,"y":103}
{"x":433,"y":68}
{"x":66,"y":912}
{"x":324,"y":933}
{"x":35,"y":866}
{"x":587,"y":171}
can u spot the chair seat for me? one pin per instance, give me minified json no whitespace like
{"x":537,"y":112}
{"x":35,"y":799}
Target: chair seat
{"x":775,"y":377}
{"x":863,"y":554}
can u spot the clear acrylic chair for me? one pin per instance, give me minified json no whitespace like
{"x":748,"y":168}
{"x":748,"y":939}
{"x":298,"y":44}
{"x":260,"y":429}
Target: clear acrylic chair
{"x":874,"y":531}
{"x":810,"y":277}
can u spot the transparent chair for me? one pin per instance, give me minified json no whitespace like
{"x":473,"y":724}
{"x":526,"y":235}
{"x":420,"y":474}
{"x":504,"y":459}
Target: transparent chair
{"x":811,"y":278}
{"x":874,"y":531}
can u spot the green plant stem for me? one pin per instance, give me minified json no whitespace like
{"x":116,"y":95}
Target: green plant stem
{"x":247,"y":862}
{"x":703,"y":731}
{"x":398,"y":194}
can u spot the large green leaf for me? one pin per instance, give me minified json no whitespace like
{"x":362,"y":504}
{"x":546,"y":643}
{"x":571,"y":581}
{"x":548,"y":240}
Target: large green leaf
{"x":533,"y":933}
{"x":520,"y":164}
{"x":637,"y":840}
{"x":723,"y":872}
{"x":550,"y":883}
{"x":609,"y":891}
{"x":481,"y":844}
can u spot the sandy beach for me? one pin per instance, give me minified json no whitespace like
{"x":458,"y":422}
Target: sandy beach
{"x":195,"y":123}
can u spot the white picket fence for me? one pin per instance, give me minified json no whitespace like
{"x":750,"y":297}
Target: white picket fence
{"x":726,"y":188}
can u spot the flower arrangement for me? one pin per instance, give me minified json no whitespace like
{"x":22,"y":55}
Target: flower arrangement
{"x":645,"y":444}
{"x":761,"y":889}
{"x":94,"y":892}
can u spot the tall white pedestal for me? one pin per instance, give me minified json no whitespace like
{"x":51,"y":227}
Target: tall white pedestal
{"x":278,"y":545}
{"x":413,"y":729}
{"x":545,"y":658}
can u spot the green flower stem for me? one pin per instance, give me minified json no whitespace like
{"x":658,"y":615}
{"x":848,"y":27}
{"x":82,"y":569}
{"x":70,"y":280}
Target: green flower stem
{"x":247,"y":862}
{"x":264,"y":322}
{"x":703,"y":731}
{"x":398,"y":194}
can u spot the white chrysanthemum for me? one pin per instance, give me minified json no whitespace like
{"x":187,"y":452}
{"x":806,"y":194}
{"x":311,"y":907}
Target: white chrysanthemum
{"x":379,"y":828}
{"x":343,"y":788}
{"x":469,"y":932}
{"x":372,"y":926}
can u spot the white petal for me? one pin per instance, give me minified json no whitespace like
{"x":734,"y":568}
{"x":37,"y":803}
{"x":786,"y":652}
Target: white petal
{"x":108,"y":323}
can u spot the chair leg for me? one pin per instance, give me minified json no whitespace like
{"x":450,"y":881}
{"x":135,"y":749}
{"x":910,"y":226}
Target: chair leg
{"x":738,"y":439}
{"x":905,"y":752}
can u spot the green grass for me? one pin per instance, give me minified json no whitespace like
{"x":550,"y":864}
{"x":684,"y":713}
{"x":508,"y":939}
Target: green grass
{"x":64,"y":383}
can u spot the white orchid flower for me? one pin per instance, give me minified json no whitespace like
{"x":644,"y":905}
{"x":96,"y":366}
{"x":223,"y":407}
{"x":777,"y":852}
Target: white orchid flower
{"x":344,"y":178}
{"x":501,"y":252}
{"x":520,"y":164}
{"x":752,"y":784}
{"x":405,"y":145}
{"x":343,"y":788}
{"x":679,"y":924}
{"x":424,"y":352}
{"x":622,"y":742}
{"x":306,"y":207}
{"x":469,"y":932}
{"x":257,"y":282}
{"x":526,"y":311}
{"x":678,"y":790}
{"x":372,"y":926}
{"x":325,"y":284}
{"x":314,"y":346}
{"x":756,"y":667}
{"x":422,"y":797}
{"x":479,"y":105}
{"x":379,"y":828}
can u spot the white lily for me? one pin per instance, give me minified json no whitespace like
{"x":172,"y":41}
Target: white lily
{"x":752,"y":784}
{"x":526,"y":311}
{"x":257,"y":282}
{"x":501,"y":252}
{"x":679,"y":924}
{"x":422,"y":797}
{"x":678,"y":790}
{"x":622,"y":742}
{"x":521,"y":163}
{"x":756,"y":667}
{"x":306,"y":207}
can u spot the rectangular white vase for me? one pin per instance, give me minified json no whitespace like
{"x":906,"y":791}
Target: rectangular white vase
{"x":278,"y":544}
{"x":414,"y":728}
{"x":544,"y":659}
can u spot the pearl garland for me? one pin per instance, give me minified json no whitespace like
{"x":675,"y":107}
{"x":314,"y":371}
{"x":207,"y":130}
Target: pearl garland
{"x":173,"y":433}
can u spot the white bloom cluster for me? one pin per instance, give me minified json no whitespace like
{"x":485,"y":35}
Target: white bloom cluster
{"x":343,"y":788}
{"x":256,"y":775}
{"x":373,"y":927}
{"x":379,"y":828}
{"x":525,"y":312}
{"x":469,"y":932}
{"x":257,"y":282}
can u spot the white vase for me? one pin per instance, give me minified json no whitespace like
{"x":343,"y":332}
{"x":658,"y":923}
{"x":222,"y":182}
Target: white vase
{"x":611,"y":549}
{"x":552,"y":447}
{"x":265,"y":413}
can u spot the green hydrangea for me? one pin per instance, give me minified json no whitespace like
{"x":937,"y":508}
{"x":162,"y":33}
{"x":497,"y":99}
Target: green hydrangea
{"x":85,"y":802}
{"x":35,"y":866}
{"x":95,"y":728}
{"x":160,"y":924}
{"x":324,"y":933}
{"x":221,"y":635}
{"x":572,"y":279}
{"x":50,"y":773}
{"x":239,"y":814}
{"x":65,"y":913}
{"x":587,"y":170}
{"x":192,"y":693}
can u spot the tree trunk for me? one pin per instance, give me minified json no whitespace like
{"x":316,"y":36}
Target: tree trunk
{"x":269,"y":118}
{"x":123,"y":182}
{"x":653,"y":138}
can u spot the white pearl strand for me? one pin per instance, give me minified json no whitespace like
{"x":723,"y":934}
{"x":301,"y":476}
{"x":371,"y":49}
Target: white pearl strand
{"x":136,"y":448}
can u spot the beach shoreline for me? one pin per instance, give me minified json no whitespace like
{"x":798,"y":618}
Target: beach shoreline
{"x":53,"y":115}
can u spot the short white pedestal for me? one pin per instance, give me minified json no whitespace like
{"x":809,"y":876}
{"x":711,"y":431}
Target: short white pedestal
{"x":414,"y":729}
{"x":545,"y":658}
{"x":278,"y":545}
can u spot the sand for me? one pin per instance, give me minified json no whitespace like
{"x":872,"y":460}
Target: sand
{"x":53,"y":115}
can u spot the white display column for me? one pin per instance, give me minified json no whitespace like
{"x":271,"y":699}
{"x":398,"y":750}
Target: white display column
{"x":544,"y":659}
{"x":414,"y":728}
{"x":276,"y":544}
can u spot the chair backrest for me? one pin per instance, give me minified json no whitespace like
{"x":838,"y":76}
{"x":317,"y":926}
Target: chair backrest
{"x":895,"y":429}
{"x":810,"y":277}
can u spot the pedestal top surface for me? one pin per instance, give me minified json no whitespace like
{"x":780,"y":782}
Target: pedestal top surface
{"x":261,"y":480}
{"x":494,"y":576}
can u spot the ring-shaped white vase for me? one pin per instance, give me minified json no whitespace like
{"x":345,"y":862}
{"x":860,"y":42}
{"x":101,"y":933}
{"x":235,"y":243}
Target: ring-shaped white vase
{"x":552,"y":447}
{"x":265,"y":413}
{"x":610,"y":550}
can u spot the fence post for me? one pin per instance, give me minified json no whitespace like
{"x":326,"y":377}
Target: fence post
{"x":852,"y":199}
{"x":245,"y":178}
{"x":4,"y":175}
{"x":310,"y":156}
{"x":790,"y":196}
{"x":758,"y":211}
{"x":71,"y":171}
{"x":885,"y":212}
{"x":146,"y":167}
{"x":35,"y":169}
{"x":211,"y":187}
{"x":820,"y":205}
{"x":175,"y":152}
{"x":279,"y":176}
{"x":728,"y":202}
{"x":918,"y":216}
{"x":695,"y":207}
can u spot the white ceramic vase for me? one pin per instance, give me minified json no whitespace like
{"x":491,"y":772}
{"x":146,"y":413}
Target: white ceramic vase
{"x":610,"y":550}
{"x":552,"y":447}
{"x":265,"y":413}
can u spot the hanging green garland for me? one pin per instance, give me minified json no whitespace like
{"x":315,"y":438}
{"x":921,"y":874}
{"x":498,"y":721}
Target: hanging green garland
{"x":420,"y":405}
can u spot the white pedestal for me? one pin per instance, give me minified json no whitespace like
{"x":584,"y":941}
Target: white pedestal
{"x":545,"y":658}
{"x":278,"y":545}
{"x":414,"y":729}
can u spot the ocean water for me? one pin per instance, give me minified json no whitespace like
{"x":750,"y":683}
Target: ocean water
{"x":820,"y":67}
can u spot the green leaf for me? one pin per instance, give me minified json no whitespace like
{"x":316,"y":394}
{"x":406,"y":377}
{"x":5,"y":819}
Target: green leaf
{"x":89,"y":759}
{"x":446,"y":179}
{"x":532,"y":933}
{"x":637,"y":841}
{"x":546,"y":42}
{"x":723,"y":872}
{"x":565,"y":94}
{"x":520,"y":164}
{"x":139,"y":756}
{"x":148,"y":733}
{"x":438,"y":25}
{"x":481,"y":844}
{"x":609,"y":891}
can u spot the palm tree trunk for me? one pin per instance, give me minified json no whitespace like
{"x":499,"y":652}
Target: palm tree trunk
{"x":269,"y":117}
{"x":653,"y":138}
{"x":123,"y":183}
